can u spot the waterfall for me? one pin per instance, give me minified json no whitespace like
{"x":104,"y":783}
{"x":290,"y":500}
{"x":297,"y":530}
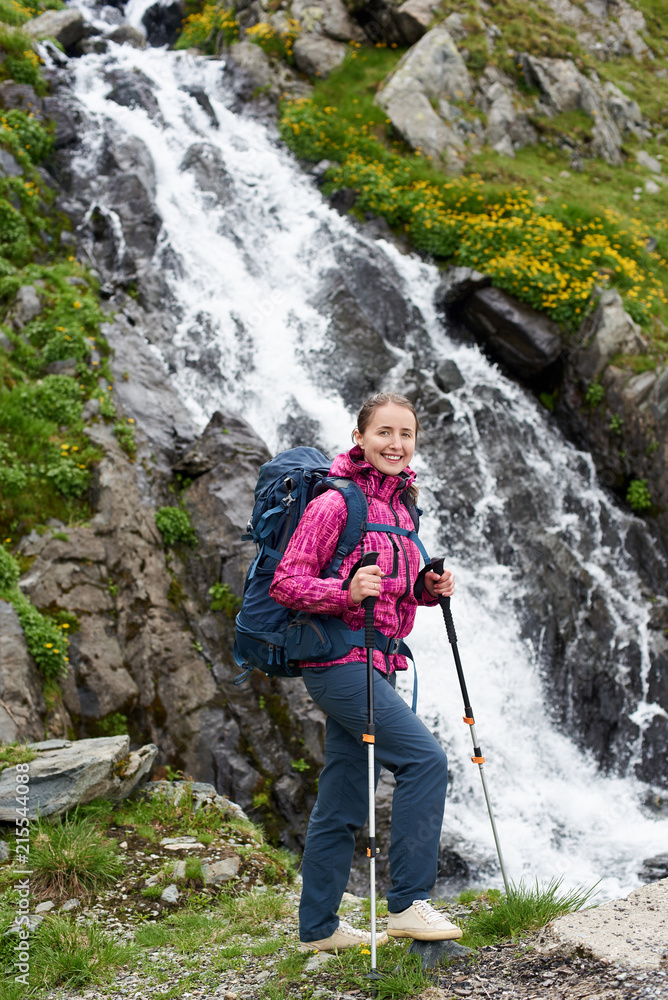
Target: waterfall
{"x":244,"y":261}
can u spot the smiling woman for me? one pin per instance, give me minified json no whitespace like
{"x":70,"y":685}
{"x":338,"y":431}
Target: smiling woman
{"x":385,"y":439}
{"x":387,"y":433}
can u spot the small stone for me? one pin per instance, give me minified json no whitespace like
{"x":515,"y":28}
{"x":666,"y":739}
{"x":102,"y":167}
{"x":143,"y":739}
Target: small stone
{"x":44,"y":907}
{"x":69,"y":904}
{"x":4,"y":850}
{"x":221,"y":871}
{"x":170,"y":894}
{"x":435,"y":953}
{"x":651,"y":162}
{"x":651,"y":187}
{"x":124,"y":845}
{"x":317,"y":960}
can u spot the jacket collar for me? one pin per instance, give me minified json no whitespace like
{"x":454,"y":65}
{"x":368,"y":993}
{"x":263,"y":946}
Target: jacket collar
{"x":353,"y":465}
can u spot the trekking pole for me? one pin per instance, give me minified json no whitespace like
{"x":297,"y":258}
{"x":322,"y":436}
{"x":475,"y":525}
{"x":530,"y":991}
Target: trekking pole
{"x":437,"y":567}
{"x":369,"y":737}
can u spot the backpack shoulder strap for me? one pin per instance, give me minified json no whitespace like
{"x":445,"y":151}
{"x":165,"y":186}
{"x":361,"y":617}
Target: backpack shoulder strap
{"x":357,"y":511}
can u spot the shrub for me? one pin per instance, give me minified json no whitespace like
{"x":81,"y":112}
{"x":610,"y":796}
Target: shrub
{"x":13,"y":478}
{"x":224,"y":599}
{"x":209,"y":29}
{"x":47,"y":644}
{"x":125,"y":432}
{"x":24,"y":133}
{"x":71,"y":955}
{"x":9,"y":570}
{"x":70,"y":477}
{"x":595,"y":394}
{"x":55,"y":397}
{"x":638,"y":496}
{"x":174,"y":525}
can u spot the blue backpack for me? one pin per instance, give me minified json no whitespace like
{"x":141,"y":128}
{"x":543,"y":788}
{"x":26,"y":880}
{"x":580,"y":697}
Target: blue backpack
{"x":268,"y":635}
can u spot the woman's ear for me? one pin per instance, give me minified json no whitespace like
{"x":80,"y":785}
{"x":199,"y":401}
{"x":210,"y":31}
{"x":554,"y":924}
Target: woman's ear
{"x":357,"y":438}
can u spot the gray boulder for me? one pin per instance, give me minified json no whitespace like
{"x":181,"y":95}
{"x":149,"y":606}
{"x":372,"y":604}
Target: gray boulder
{"x":316,"y":55}
{"x":566,"y":89}
{"x":9,"y":166}
{"x":519,"y":336}
{"x":431,"y":71}
{"x":251,"y":71}
{"x":22,"y":97}
{"x":68,"y":773}
{"x":125,"y":34}
{"x":162,"y":22}
{"x":26,"y":306}
{"x":66,"y":26}
{"x":608,"y":331}
{"x":22,"y":704}
{"x":331,"y":17}
{"x":456,"y":284}
{"x":413,"y":18}
{"x":432,"y":66}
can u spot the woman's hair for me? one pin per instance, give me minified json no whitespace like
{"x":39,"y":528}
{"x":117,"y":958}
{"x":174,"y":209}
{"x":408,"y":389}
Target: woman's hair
{"x":381,"y":399}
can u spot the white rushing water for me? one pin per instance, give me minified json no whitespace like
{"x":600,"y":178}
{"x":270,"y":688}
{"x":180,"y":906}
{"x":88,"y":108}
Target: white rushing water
{"x":247,"y":273}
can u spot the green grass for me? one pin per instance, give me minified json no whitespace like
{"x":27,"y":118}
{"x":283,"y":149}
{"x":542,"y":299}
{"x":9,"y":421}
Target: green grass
{"x":71,"y":858}
{"x":72,"y":956}
{"x":12,"y":754}
{"x":499,"y":916}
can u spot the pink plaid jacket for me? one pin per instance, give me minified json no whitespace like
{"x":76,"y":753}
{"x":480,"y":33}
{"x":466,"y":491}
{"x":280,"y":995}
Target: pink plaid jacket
{"x":297,"y":581}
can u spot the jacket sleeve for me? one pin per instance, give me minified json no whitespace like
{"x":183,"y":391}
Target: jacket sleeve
{"x":297,"y":582}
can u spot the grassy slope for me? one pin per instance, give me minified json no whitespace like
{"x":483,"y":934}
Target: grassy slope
{"x":342,"y":123}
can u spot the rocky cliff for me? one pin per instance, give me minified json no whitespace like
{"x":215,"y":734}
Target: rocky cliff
{"x":148,"y":645}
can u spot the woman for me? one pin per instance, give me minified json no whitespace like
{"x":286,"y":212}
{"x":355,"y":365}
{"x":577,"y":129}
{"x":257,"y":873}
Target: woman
{"x":385,"y":439}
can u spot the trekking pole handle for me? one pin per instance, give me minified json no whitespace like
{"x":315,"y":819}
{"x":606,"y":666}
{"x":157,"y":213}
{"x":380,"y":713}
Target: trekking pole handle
{"x":437,"y":567}
{"x":369,"y":559}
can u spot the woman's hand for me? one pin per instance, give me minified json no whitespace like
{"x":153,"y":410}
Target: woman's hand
{"x":440,"y":586}
{"x":366,"y":583}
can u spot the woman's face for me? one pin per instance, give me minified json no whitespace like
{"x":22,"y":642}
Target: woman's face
{"x":388,"y":442}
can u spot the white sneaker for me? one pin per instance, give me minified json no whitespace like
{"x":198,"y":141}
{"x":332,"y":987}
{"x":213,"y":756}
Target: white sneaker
{"x":422,"y":922}
{"x":344,"y":936}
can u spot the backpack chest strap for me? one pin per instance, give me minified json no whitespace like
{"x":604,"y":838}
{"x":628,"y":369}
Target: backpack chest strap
{"x":394,"y":529}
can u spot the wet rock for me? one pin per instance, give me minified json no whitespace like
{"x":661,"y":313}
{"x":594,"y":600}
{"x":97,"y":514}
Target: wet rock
{"x":163,"y":21}
{"x":456,"y":284}
{"x":133,"y":89}
{"x":202,"y":99}
{"x":206,"y":163}
{"x":316,"y":55}
{"x":125,"y":34}
{"x":64,"y":776}
{"x":367,"y":316}
{"x":21,"y":701}
{"x":524,"y":339}
{"x":66,"y":26}
{"x":654,"y":868}
{"x":448,"y":377}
